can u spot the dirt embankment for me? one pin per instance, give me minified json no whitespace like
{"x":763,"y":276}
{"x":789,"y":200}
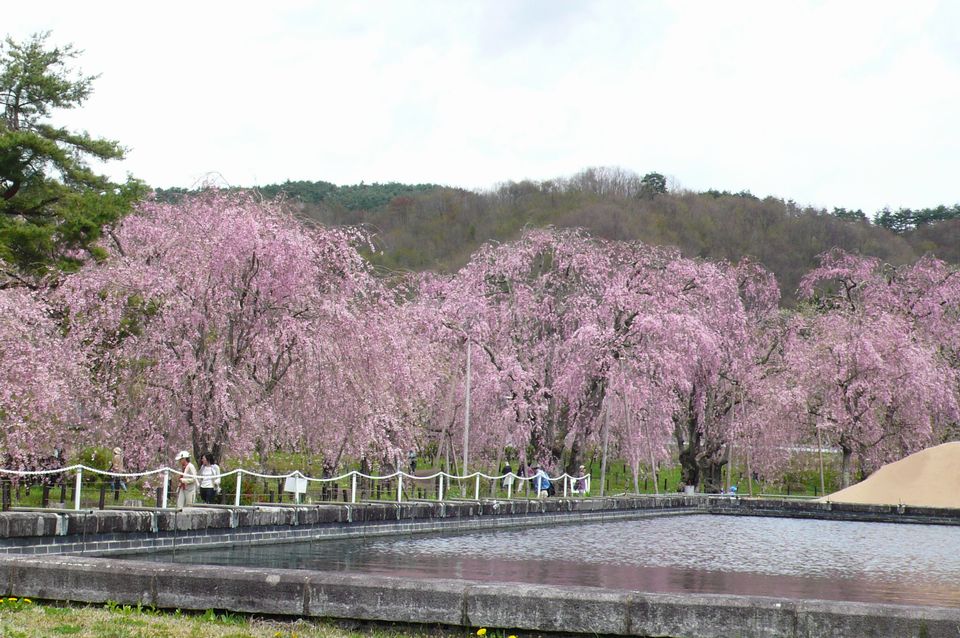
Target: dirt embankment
{"x":929,"y":478}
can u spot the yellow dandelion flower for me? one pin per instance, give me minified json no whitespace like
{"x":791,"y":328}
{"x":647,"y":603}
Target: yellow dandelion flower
{"x":12,"y":599}
{"x":482,"y":631}
{"x":511,"y":636}
{"x":28,"y":601}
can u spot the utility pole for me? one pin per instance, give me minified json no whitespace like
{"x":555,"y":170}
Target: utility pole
{"x":466,"y":416}
{"x":823,"y":485}
{"x":606,"y":439}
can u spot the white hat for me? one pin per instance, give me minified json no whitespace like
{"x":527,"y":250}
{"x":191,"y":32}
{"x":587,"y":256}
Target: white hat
{"x":182,"y":455}
{"x":117,"y":450}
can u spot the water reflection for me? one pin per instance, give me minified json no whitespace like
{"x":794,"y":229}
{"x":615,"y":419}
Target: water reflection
{"x":871,"y":562}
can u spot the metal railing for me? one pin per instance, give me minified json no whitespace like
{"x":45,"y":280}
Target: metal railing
{"x":350,"y":487}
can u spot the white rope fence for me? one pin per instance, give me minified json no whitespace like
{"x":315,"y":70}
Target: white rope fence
{"x":296,"y":482}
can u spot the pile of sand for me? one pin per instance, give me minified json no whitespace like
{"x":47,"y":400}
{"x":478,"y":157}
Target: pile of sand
{"x":929,"y":478}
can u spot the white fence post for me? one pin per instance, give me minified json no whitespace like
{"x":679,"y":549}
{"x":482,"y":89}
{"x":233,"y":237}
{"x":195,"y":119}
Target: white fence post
{"x":236,"y":498}
{"x":353,"y":487}
{"x":510,"y":487}
{"x":166,"y":489}
{"x":476,"y":492}
{"x":566,"y":480}
{"x":76,"y":489}
{"x":400,"y":487}
{"x":440,"y":491}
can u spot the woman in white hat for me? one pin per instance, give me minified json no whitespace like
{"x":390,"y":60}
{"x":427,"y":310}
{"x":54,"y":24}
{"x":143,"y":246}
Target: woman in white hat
{"x":187,"y":486}
{"x":582,"y":484}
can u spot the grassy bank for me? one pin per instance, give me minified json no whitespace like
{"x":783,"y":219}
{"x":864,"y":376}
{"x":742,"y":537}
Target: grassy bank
{"x":23,"y":618}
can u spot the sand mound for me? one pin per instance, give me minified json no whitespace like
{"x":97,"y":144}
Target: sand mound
{"x":929,"y":478}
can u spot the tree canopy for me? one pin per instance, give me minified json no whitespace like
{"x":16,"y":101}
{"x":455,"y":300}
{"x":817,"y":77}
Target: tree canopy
{"x":221,"y":323}
{"x":53,"y":205}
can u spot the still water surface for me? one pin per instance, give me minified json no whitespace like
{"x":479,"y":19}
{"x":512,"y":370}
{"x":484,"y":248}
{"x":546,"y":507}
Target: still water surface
{"x":810,"y":559}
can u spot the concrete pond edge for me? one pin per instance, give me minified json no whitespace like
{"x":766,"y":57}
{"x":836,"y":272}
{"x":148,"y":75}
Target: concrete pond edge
{"x":519,"y":607}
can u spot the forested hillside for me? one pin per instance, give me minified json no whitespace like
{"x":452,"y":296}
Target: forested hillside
{"x":431,"y":227}
{"x":349,"y":197}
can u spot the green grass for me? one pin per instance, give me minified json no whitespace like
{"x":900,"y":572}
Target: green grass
{"x":42,"y":620}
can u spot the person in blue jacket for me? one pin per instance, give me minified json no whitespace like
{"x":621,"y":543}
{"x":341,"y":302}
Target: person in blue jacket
{"x":541,"y":482}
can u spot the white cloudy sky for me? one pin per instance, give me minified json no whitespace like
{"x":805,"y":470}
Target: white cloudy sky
{"x":851,"y":104}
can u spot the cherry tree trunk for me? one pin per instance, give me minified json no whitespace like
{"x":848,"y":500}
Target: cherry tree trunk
{"x":711,"y":471}
{"x":689,"y":469}
{"x":846,"y":464}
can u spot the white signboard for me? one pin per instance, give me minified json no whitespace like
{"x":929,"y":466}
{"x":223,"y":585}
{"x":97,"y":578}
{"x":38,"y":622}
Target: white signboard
{"x":295,"y":485}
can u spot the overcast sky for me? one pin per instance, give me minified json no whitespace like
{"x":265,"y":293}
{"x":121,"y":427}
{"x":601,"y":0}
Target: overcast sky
{"x":852,"y":104}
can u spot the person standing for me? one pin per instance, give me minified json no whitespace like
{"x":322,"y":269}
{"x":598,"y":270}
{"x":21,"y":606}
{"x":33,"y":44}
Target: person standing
{"x":582,"y":484}
{"x":507,"y":483}
{"x":209,"y":478}
{"x":541,"y":482}
{"x":412,"y":461}
{"x":187,"y":485}
{"x":522,"y":471}
{"x":116,"y":465}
